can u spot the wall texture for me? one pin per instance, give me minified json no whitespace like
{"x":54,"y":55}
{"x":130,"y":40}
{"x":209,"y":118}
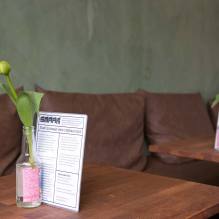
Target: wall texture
{"x":112,"y":45}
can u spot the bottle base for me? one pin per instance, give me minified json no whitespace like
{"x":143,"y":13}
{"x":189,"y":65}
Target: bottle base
{"x":22,"y":204}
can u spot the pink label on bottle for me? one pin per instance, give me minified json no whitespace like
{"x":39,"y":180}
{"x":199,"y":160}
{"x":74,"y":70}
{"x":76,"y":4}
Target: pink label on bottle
{"x":31,"y":184}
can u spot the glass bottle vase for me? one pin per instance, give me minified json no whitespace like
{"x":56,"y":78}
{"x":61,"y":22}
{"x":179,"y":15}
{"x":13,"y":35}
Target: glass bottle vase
{"x":28,"y":188}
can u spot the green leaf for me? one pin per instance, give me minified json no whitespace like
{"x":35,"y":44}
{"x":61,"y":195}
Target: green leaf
{"x":216,"y":100}
{"x":36,"y":99}
{"x":25,"y":108}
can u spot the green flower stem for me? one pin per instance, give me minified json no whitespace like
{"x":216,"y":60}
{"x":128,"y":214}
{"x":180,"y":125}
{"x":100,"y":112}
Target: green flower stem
{"x":11,"y":86}
{"x":2,"y":86}
{"x":28,"y":133}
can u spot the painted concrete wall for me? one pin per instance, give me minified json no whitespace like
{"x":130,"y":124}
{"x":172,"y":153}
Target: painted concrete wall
{"x":112,"y":45}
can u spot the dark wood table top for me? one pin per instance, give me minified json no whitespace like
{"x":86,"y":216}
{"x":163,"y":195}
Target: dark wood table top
{"x":196,"y":148}
{"x":109,"y":192}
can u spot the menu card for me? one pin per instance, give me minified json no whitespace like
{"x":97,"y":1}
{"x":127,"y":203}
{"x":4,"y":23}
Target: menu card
{"x":60,"y":140}
{"x":216,"y":144}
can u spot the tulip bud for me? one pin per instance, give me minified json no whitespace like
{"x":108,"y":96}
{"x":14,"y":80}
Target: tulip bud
{"x":5,"y":68}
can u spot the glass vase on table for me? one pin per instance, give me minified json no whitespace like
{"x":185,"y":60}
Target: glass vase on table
{"x":28,"y":183}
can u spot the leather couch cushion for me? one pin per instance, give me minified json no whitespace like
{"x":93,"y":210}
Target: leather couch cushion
{"x":115,"y":131}
{"x":10,"y":135}
{"x":170,"y":117}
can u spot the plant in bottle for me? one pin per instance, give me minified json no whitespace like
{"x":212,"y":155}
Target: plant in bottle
{"x":27,"y":103}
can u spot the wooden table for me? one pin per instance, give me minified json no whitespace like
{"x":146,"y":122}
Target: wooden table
{"x":109,"y":192}
{"x":196,"y":148}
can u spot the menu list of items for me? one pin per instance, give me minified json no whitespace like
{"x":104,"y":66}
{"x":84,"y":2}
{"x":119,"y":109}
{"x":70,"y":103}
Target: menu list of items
{"x":60,"y":146}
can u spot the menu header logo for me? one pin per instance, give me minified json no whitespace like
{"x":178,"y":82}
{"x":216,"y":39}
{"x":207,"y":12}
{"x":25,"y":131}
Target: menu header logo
{"x":50,"y":119}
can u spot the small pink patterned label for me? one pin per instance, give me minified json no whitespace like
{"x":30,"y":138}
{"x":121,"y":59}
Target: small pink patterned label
{"x":31,"y":184}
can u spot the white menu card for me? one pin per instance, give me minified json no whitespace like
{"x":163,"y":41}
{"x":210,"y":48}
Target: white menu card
{"x":216,"y":144}
{"x":60,"y":140}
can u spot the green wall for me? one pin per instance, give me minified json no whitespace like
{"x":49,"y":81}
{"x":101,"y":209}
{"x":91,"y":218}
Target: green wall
{"x":112,"y":45}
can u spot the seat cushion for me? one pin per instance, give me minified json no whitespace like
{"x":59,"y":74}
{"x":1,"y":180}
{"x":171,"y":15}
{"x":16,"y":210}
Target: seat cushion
{"x":115,"y":130}
{"x":10,"y":135}
{"x":170,"y":117}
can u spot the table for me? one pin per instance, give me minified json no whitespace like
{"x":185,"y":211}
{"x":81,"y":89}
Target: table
{"x":109,"y":192}
{"x":197,"y":148}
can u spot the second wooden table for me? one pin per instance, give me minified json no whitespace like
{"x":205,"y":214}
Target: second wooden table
{"x":196,"y":148}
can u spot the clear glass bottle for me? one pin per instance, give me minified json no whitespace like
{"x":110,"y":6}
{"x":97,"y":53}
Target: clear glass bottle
{"x":28,"y":183}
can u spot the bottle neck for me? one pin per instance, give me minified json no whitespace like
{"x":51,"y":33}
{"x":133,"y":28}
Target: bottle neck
{"x":28,"y":130}
{"x":28,"y":150}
